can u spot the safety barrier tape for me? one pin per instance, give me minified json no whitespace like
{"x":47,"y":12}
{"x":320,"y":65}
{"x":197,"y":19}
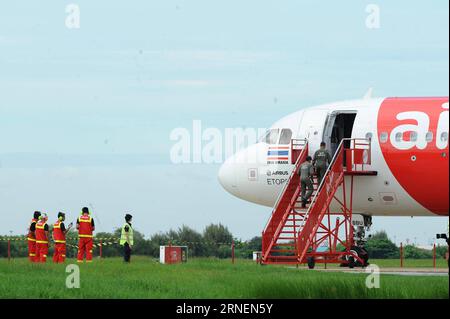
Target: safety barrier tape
{"x":19,"y":238}
{"x":191,"y":243}
{"x":95,"y":245}
{"x":11,"y":239}
{"x":173,"y":242}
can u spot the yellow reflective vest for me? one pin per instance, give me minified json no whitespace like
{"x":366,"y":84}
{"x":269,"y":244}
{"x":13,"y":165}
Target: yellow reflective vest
{"x":123,"y":236}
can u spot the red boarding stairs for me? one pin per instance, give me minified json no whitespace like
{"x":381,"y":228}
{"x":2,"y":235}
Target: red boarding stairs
{"x":294,"y":235}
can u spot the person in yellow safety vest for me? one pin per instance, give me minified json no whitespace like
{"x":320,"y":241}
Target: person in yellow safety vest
{"x":59,"y":237}
{"x":86,"y":227}
{"x":126,"y":238}
{"x":32,"y":237}
{"x":42,"y":236}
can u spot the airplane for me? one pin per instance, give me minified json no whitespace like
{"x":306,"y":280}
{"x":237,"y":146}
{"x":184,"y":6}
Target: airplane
{"x":409,"y":152}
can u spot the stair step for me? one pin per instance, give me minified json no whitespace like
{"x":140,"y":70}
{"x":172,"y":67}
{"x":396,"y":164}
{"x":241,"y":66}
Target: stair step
{"x":282,"y":257}
{"x":288,"y":231}
{"x":281,"y":262}
{"x":285,"y":244}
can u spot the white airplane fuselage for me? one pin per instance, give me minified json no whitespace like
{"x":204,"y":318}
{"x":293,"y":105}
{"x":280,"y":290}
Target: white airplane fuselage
{"x":409,"y":152}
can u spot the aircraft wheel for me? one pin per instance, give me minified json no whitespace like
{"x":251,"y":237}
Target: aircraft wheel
{"x":311,"y":263}
{"x":361,"y":253}
{"x":351,"y":262}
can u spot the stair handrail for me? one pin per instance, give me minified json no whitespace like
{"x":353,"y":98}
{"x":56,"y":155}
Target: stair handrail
{"x":355,"y":142}
{"x":341,"y":145}
{"x":294,"y":171}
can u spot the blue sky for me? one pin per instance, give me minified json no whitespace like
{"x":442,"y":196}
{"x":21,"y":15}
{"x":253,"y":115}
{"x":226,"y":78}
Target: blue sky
{"x":85,"y":114}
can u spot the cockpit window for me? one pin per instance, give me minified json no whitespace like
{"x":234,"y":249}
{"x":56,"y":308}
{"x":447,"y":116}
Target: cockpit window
{"x":286,"y":135}
{"x":272,"y":136}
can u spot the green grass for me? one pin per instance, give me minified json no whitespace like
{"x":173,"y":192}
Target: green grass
{"x":203,"y":278}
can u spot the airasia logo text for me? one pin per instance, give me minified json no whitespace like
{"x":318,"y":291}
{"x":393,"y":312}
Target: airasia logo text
{"x":421,"y":129}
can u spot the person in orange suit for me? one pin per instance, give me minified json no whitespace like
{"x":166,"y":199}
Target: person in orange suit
{"x":86,"y":228}
{"x":42,"y":235}
{"x":32,"y":237}
{"x":59,"y":238}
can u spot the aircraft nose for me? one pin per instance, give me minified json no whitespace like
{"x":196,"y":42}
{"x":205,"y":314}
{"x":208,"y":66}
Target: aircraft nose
{"x":227,"y":176}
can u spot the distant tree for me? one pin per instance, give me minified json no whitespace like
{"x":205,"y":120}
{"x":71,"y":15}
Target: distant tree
{"x":413,"y":252}
{"x":187,"y":236}
{"x":216,"y":236}
{"x":157,"y":240}
{"x":441,"y":251}
{"x":223,"y":251}
{"x":141,"y":245}
{"x":3,"y":248}
{"x":380,"y":246}
{"x":245,"y":249}
{"x":19,"y":248}
{"x":380,"y":235}
{"x":255,"y":244}
{"x":108,"y":249}
{"x":173,"y":236}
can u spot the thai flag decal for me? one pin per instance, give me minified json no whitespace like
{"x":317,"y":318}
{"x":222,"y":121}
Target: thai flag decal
{"x":278,"y":153}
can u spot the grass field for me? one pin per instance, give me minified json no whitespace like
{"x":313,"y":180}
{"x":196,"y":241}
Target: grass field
{"x":207,"y":278}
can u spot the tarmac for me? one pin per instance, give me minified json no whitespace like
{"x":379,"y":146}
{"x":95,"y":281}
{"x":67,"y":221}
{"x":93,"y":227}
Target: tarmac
{"x":393,"y":271}
{"x":386,"y":271}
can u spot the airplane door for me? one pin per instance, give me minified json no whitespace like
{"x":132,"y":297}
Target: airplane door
{"x":339,"y":125}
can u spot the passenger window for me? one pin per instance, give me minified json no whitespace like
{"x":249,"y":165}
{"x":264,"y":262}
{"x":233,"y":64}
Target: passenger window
{"x":286,"y":135}
{"x":272,"y":136}
{"x":369,"y":136}
{"x":398,"y":137}
{"x":383,"y":137}
{"x":444,"y":137}
{"x":429,"y":137}
{"x":413,"y":137}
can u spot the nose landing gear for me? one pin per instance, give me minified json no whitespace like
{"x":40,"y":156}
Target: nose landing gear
{"x":358,"y":257}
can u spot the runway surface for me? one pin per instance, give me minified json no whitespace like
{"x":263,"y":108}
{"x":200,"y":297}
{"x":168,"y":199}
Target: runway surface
{"x":394,"y":271}
{"x":387,"y":271}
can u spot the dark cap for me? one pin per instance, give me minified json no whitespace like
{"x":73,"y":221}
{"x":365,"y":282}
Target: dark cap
{"x":308,"y":158}
{"x":323,"y":144}
{"x":128,"y":217}
{"x":36,"y":214}
{"x":85,"y":210}
{"x":61,"y":214}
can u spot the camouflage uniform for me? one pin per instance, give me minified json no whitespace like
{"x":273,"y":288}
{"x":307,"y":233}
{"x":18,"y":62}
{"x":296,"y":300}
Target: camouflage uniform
{"x":322,"y":159}
{"x":306,"y":172}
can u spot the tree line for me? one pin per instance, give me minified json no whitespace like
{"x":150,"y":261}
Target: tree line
{"x":214,"y":241}
{"x":379,"y":246}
